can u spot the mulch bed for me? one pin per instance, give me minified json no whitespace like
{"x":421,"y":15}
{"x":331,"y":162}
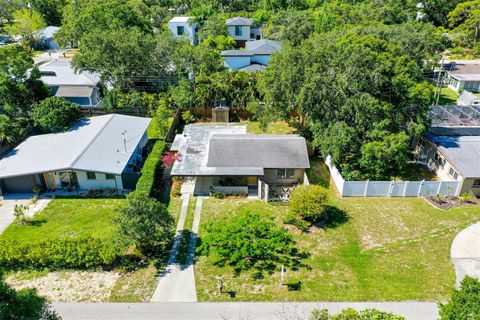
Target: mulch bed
{"x":452,"y":202}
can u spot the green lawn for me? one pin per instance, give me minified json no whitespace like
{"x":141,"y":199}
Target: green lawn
{"x":448,"y":97}
{"x":279,"y":127}
{"x":389,"y":249}
{"x":67,"y":218}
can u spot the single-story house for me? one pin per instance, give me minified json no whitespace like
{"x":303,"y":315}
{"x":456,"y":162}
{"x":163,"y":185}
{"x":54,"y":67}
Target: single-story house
{"x":46,"y":38}
{"x":227,"y":159}
{"x":183,"y":27}
{"x":83,"y":88}
{"x":255,"y":56}
{"x":243,"y":30}
{"x":468,"y":99}
{"x":463,"y":75}
{"x":453,"y":154}
{"x":103,"y":152}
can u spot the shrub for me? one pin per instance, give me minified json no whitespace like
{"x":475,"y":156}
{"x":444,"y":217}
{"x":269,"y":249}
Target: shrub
{"x":292,"y":219}
{"x":248,"y":240}
{"x":187,"y":116}
{"x":350,"y":314}
{"x":309,"y":202}
{"x":145,"y":222}
{"x":85,"y":252}
{"x":465,"y":197}
{"x":19,"y":211}
{"x":465,"y":302}
{"x":37,"y":189}
{"x":151,"y":168}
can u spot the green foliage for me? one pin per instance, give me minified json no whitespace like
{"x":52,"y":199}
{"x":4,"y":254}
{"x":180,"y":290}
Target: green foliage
{"x":309,"y":202}
{"x":23,"y":304}
{"x":151,"y":167}
{"x":345,"y":88}
{"x":248,"y":240}
{"x":37,"y":189}
{"x":28,"y":23}
{"x":81,"y":17}
{"x":60,"y":253}
{"x":465,"y":302}
{"x":51,"y":10}
{"x":220,"y":42}
{"x":187,"y":116}
{"x":465,"y":19}
{"x":20,"y":87}
{"x":350,"y":314}
{"x":300,"y":224}
{"x":145,"y":222}
{"x":19,"y":211}
{"x":55,"y":114}
{"x":294,"y":26}
{"x":465,"y":197}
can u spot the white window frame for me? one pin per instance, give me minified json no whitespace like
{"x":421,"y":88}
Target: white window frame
{"x":285,"y":173}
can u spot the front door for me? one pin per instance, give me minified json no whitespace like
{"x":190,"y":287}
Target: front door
{"x":50,"y":180}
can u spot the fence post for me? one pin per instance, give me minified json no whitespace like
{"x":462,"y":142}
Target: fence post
{"x":266,"y":192}
{"x":459,"y":187}
{"x":405,"y":189}
{"x":439,"y":188}
{"x":366,"y":188}
{"x":390,"y":190}
{"x":420,"y":188}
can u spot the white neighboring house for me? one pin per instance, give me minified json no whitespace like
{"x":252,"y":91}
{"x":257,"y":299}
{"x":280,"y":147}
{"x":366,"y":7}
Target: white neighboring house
{"x":255,"y":56}
{"x":82,"y":88}
{"x":463,"y":75}
{"x":242,"y":30}
{"x":183,"y":27}
{"x":103,"y":152}
{"x":468,"y":99}
{"x":46,"y":38}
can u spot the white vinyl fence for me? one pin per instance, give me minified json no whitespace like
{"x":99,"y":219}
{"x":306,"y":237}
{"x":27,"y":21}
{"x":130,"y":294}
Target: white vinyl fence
{"x":392,"y":188}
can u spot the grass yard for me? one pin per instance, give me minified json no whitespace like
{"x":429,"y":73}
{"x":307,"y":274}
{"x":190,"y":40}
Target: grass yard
{"x":389,"y":249}
{"x":280,"y":127}
{"x":448,"y":97}
{"x":68,"y":218}
{"x":72,"y":217}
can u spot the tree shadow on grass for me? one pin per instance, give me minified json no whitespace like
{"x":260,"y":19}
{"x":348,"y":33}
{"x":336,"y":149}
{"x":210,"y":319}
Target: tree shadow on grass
{"x":334,"y":217}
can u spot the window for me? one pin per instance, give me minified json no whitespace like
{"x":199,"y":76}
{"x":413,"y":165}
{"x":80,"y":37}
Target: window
{"x":91,"y":176}
{"x":180,"y":30}
{"x":476,"y":183}
{"x":453,"y":173}
{"x":453,"y":82}
{"x":109,"y":176}
{"x":238,"y":31}
{"x":285,"y":173}
{"x":438,"y":159}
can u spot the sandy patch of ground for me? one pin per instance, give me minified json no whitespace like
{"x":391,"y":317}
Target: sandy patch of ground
{"x":69,"y":286}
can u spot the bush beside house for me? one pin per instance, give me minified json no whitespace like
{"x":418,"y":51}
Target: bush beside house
{"x":152,"y":166}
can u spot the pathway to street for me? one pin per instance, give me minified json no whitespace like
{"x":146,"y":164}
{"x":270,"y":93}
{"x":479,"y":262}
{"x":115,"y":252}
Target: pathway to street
{"x":177,"y":282}
{"x":465,"y":253}
{"x":233,"y":310}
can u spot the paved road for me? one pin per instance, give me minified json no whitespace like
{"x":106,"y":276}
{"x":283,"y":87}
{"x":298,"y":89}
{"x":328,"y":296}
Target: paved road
{"x":465,"y":253}
{"x":7,"y":206}
{"x":232,"y":311}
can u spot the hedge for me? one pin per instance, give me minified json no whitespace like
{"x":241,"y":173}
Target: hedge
{"x":150,"y":169}
{"x":83,"y":252}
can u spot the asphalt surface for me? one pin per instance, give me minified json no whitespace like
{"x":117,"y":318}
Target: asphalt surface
{"x":233,"y":311}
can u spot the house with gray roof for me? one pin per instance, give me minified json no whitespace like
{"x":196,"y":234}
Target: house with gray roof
{"x":242,"y":30}
{"x":463,"y":75}
{"x":255,"y":56}
{"x":453,"y":154}
{"x":80,"y":87}
{"x":104,"y":152}
{"x":227,"y":159}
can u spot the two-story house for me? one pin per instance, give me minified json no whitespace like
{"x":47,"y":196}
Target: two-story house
{"x":243,"y":30}
{"x":184,"y":27}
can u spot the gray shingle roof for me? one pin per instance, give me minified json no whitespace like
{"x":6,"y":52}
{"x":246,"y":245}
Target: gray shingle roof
{"x":93,"y":144}
{"x":265,"y":151}
{"x":463,"y":152}
{"x":465,"y":71}
{"x":257,"y":47}
{"x":254,"y":68}
{"x":239,"y":21}
{"x":62,"y":73}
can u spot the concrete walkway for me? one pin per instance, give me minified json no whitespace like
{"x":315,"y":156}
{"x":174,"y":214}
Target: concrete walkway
{"x":177,"y":283}
{"x":8,"y":203}
{"x":233,"y":310}
{"x":465,"y":253}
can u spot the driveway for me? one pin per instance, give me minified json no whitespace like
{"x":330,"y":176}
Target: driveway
{"x":9,"y":201}
{"x":465,"y":253}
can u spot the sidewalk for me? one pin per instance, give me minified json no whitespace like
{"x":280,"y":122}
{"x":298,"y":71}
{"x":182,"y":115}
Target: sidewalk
{"x":465,"y":253}
{"x":177,"y":283}
{"x":233,"y":310}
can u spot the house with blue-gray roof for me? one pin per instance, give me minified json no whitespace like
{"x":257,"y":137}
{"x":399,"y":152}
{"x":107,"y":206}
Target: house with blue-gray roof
{"x":255,"y":56}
